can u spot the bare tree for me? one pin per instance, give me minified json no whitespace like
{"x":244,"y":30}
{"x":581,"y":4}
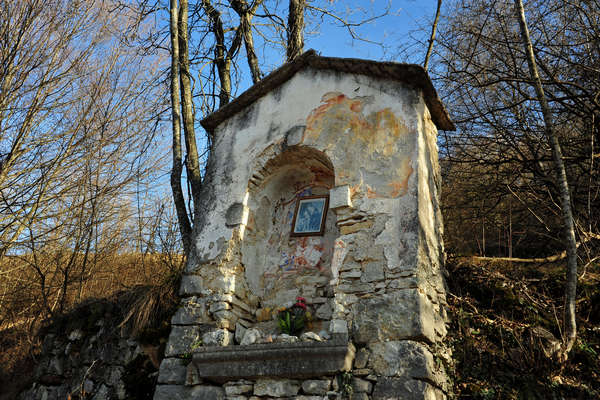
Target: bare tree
{"x":205,"y":72}
{"x":295,"y":35}
{"x":561,"y":178}
{"x":432,"y":36}
{"x":503,"y":157}
{"x":185,"y":225}
{"x":76,"y":118}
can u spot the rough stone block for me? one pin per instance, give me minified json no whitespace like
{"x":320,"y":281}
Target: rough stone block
{"x":251,"y":336}
{"x":406,"y":389}
{"x":225,"y":319}
{"x":217,"y":337}
{"x":285,"y":338}
{"x":359,"y":226}
{"x":310,"y":360}
{"x":75,"y":335}
{"x":240,"y":330}
{"x":408,"y":282}
{"x":363,"y":372}
{"x":190,"y":313}
{"x":367,"y":250}
{"x":181,"y":340}
{"x":175,"y":392}
{"x":310,"y":337}
{"x":358,"y":287}
{"x":276,"y":388}
{"x":236,"y":215}
{"x":338,"y":329}
{"x":339,"y":197}
{"x":192,"y":285}
{"x":192,"y":378}
{"x":399,"y":315}
{"x":402,"y":358}
{"x":323,"y":312}
{"x":372,"y":271}
{"x":233,"y":390}
{"x":173,"y":371}
{"x":102,"y":394}
{"x":218,"y":306}
{"x":316,"y":386}
{"x":355,"y":273}
{"x":362,"y":356}
{"x":361,"y":386}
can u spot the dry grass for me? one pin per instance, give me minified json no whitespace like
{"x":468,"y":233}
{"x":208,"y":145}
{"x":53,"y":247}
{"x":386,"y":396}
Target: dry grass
{"x":143,"y":286}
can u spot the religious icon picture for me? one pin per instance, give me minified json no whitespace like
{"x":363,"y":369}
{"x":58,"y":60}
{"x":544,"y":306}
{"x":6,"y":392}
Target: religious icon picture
{"x":309,"y":217}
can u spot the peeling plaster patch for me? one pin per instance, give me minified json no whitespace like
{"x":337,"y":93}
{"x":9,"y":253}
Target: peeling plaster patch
{"x":340,"y":249}
{"x":294,"y":135}
{"x":234,"y":215}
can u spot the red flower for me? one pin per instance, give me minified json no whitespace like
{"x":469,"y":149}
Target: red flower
{"x":300,"y":299}
{"x":301,"y":305}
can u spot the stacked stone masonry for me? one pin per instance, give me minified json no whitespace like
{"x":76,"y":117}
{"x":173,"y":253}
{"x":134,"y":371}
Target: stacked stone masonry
{"x":92,"y":360}
{"x":373,"y":282}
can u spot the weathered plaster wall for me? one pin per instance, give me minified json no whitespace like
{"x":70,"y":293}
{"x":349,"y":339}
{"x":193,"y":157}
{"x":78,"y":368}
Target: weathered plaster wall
{"x":376,"y":274}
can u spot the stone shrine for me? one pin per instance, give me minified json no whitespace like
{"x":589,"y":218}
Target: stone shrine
{"x":322,"y":189}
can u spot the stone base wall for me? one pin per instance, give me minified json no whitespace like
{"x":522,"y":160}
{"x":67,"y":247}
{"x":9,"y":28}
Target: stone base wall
{"x":90,"y":359}
{"x":361,"y":383}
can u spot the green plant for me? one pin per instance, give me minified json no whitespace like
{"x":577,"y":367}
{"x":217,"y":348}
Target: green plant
{"x":488,"y":393}
{"x":196,"y":344}
{"x":345,"y":384}
{"x":586,"y":348}
{"x":292,"y":320}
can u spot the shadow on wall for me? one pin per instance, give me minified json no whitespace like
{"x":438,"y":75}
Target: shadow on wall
{"x":279,"y":267}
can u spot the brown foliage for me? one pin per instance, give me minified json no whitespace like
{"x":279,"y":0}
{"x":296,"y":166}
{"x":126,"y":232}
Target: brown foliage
{"x":143,"y":289}
{"x":505,"y":335}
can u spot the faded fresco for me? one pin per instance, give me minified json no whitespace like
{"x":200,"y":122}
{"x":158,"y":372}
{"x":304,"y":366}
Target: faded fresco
{"x":273,"y":260}
{"x":376,"y":138}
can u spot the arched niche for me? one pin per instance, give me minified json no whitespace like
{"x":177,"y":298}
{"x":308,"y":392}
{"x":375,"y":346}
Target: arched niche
{"x":279,"y":267}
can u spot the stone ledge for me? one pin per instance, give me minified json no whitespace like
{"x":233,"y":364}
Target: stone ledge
{"x":297,"y":360}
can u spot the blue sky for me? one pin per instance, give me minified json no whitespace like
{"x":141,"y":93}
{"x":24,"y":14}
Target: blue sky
{"x":394,"y":36}
{"x":394,"y":29}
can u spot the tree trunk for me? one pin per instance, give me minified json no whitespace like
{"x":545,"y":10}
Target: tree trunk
{"x":295,"y":29}
{"x":185,"y":227}
{"x":432,"y":37}
{"x":222,"y":61}
{"x":565,"y":200}
{"x":246,"y":27}
{"x":192,"y":163}
{"x":246,"y":13}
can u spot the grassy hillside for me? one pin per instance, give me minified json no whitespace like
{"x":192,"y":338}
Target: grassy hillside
{"x":505,"y":329}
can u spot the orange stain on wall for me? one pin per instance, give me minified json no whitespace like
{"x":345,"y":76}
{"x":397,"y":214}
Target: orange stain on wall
{"x":379,"y":132}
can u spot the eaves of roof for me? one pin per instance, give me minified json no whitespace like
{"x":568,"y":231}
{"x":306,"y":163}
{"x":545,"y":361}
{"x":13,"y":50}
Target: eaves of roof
{"x":410,"y":74}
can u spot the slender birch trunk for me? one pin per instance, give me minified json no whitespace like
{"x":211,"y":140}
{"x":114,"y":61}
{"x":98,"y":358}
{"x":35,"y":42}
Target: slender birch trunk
{"x":185,"y":227}
{"x":432,"y":37}
{"x":565,"y":199}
